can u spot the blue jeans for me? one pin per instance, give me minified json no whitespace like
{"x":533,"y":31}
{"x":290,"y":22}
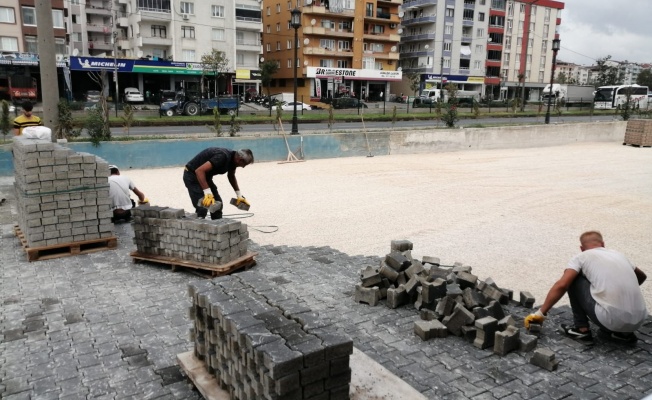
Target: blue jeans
{"x":583,"y":304}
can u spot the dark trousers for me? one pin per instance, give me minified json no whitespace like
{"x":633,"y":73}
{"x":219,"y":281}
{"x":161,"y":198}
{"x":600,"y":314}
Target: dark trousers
{"x":196,"y":194}
{"x":583,"y":304}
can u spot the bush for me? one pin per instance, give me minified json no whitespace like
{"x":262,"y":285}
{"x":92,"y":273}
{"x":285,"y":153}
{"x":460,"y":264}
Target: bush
{"x":97,"y":127}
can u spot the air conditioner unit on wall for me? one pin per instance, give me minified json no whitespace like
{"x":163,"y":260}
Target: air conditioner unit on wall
{"x":392,"y":26}
{"x":185,"y":17}
{"x":60,"y":57}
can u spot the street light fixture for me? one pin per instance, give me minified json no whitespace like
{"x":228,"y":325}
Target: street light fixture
{"x":295,"y":22}
{"x":555,"y":48}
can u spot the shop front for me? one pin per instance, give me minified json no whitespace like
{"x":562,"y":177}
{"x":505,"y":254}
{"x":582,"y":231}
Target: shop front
{"x":246,"y":84}
{"x":365,"y":84}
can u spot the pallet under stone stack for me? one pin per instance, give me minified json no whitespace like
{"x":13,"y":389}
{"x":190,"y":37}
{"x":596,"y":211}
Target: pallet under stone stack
{"x":170,"y":232}
{"x":638,"y":132}
{"x":263,"y":344}
{"x":62,"y":196}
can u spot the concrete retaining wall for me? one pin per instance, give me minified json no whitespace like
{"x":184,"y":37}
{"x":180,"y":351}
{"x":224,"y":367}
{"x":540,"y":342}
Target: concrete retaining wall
{"x":167,"y":153}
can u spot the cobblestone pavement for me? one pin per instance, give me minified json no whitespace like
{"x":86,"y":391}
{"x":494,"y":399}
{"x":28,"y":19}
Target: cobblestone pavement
{"x":99,"y":326}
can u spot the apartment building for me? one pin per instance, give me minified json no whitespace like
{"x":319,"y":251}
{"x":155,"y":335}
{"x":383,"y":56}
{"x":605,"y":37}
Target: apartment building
{"x":574,"y":73}
{"x":18,"y":28}
{"x":345,"y":47}
{"x":480,"y":45}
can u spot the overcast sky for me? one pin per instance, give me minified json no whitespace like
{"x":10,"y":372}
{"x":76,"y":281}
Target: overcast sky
{"x":592,"y":29}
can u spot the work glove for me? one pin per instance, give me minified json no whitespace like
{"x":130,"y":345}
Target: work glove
{"x":241,"y":199}
{"x":145,"y":201}
{"x":536,"y":318}
{"x":209,"y":199}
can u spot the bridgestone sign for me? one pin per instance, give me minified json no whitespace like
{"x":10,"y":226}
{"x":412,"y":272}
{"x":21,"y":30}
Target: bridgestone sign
{"x":354,"y":74}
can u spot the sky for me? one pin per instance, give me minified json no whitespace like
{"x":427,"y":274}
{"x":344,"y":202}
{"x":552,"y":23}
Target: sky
{"x":593,"y":29}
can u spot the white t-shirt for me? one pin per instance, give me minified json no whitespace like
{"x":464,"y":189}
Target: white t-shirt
{"x":620,"y":305}
{"x":119,"y":187}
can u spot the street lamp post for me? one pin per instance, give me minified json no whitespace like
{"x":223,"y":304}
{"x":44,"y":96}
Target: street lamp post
{"x":295,"y":22}
{"x":555,"y":49}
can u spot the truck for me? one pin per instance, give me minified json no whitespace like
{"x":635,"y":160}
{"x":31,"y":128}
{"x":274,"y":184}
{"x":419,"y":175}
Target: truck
{"x":568,"y":94}
{"x":433,"y":95}
{"x":17,"y":88}
{"x":190,"y":104}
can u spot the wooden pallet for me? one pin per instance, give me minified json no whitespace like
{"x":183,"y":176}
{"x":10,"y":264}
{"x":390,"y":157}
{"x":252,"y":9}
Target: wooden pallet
{"x":202,"y":269}
{"x":206,"y":383}
{"x":64,"y":249}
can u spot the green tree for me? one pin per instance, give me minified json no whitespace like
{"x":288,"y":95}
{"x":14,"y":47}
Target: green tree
{"x":217,"y":122}
{"x":561,"y":78}
{"x":645,"y":78}
{"x":127,"y":117}
{"x":267,"y":70}
{"x":414,"y":79}
{"x":331,"y":118}
{"x":607,"y":74}
{"x":5,"y":124}
{"x":235,"y":126}
{"x":214,"y":63}
{"x":626,"y":109}
{"x":96,"y":126}
{"x":450,"y":117}
{"x":65,"y":128}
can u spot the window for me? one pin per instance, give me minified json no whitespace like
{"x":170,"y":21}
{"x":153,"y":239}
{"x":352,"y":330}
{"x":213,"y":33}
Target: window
{"x":544,"y":45}
{"x":447,"y":62}
{"x":278,"y":45}
{"x":506,"y":57}
{"x":289,"y":5}
{"x":31,"y":44}
{"x":448,"y":30}
{"x":467,"y":15}
{"x":479,"y":33}
{"x":188,"y":55}
{"x":218,"y":34}
{"x":278,"y":27}
{"x":289,"y":44}
{"x":533,"y":10}
{"x":510,"y":9}
{"x":547,"y":15}
{"x":326,"y":63}
{"x":522,"y":7}
{"x":546,"y":30}
{"x":369,"y":9}
{"x":269,"y":11}
{"x":57,"y":19}
{"x":60,"y":46}
{"x":328,"y":44}
{"x":542,"y":61}
{"x":269,"y":29}
{"x":159,"y":53}
{"x":29,"y":16}
{"x":278,"y":8}
{"x":217,"y":11}
{"x":268,"y":47}
{"x":344,"y":45}
{"x":378,"y":29}
{"x":448,"y":46}
{"x":328,"y":24}
{"x":377,"y":47}
{"x":530,"y":42}
{"x":496,"y":20}
{"x":480,"y":16}
{"x":541,"y":77}
{"x":519,"y":41}
{"x":289,"y":63}
{"x":477,"y":64}
{"x":342,"y":64}
{"x":187,"y":8}
{"x":188,"y":32}
{"x":7,"y":15}
{"x":378,"y":65}
{"x":508,"y":42}
{"x":344,"y":25}
{"x":239,"y":59}
{"x":450,"y":12}
{"x":368,"y":63}
{"x":159,"y":31}
{"x":8,"y":43}
{"x":531,"y":27}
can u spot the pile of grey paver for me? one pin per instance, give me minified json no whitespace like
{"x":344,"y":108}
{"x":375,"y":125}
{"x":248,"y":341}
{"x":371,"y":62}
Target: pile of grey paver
{"x":261,"y":343}
{"x":450,"y":300}
{"x":62,"y":196}
{"x":170,"y":232}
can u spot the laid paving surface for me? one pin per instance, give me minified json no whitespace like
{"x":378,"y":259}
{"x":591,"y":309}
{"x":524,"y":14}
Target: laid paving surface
{"x":100,"y":326}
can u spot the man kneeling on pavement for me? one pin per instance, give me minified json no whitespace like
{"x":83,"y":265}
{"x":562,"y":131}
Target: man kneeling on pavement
{"x":121,"y":203}
{"x":603,"y":286}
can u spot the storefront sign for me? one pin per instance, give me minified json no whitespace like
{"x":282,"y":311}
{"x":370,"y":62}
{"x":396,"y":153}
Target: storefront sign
{"x":99,"y":64}
{"x":453,"y":78}
{"x":354,"y":74}
{"x":18,"y":58}
{"x":142,"y":66}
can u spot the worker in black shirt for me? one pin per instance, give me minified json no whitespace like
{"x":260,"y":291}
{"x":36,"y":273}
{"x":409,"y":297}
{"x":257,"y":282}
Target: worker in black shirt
{"x":199,"y":173}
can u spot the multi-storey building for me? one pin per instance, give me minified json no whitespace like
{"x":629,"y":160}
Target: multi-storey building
{"x":489,"y":46}
{"x":18,"y":27}
{"x":574,"y":73}
{"x":345,"y":47}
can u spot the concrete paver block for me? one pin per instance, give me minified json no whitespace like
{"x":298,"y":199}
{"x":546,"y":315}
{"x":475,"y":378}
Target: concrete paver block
{"x":526,"y":299}
{"x":369,"y":296}
{"x":485,"y":332}
{"x":466,"y":279}
{"x":506,"y":341}
{"x":390,"y":273}
{"x":370,"y":276}
{"x":544,"y":358}
{"x":397,"y":261}
{"x":527,"y":342}
{"x":460,"y":317}
{"x":397,"y":297}
{"x":401,"y":245}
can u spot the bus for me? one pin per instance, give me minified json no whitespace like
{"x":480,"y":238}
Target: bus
{"x":614,"y":97}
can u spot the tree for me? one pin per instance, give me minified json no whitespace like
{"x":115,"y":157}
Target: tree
{"x":214,"y":63}
{"x":450,"y":117}
{"x":100,"y":114}
{"x":267,"y":70}
{"x":645,"y":78}
{"x":607,"y":73}
{"x":561,"y":78}
{"x":414,"y":79}
{"x":66,"y":125}
{"x":5,"y":124}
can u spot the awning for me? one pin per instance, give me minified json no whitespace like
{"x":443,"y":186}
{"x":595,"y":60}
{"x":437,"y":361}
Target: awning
{"x":465,"y":50}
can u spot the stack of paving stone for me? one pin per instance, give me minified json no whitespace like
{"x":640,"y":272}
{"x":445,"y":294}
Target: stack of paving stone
{"x":170,"y":232}
{"x":450,"y":300}
{"x":62,"y":196}
{"x":263,"y":344}
{"x":639,"y":132}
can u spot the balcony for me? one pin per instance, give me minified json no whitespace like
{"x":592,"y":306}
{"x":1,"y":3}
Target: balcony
{"x":321,"y":31}
{"x":428,"y":19}
{"x":467,"y":22}
{"x":100,"y":46}
{"x":392,"y":18}
{"x":98,"y":9}
{"x":248,"y":45}
{"x":392,"y":55}
{"x":422,"y":36}
{"x":124,"y":44}
{"x":419,"y":68}
{"x":399,"y":2}
{"x":154,"y":15}
{"x":309,"y":50}
{"x":248,"y":24}
{"x":469,"y":4}
{"x":155,"y":40}
{"x":105,"y":29}
{"x":418,"y":3}
{"x":418,"y":53}
{"x":123,"y":22}
{"x":381,"y":37}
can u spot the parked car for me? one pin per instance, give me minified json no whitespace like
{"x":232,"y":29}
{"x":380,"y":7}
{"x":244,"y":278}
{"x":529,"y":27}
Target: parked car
{"x":190,"y":104}
{"x":290,"y":106}
{"x":348,"y":102}
{"x":133,"y":95}
{"x":92,"y":95}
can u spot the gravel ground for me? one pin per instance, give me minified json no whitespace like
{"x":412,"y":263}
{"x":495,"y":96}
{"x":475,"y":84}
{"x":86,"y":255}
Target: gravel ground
{"x":514,"y":215}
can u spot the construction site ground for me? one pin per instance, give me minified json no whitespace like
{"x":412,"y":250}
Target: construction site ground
{"x":100,"y":326}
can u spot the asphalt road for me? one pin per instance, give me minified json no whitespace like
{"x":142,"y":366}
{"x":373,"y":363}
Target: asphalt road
{"x":323,"y":127}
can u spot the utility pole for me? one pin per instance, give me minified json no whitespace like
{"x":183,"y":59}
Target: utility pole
{"x":47,"y":64}
{"x":114,"y":18}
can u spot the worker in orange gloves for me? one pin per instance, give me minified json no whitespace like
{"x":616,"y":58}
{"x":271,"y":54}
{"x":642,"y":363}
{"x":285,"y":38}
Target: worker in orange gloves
{"x":603,"y":286}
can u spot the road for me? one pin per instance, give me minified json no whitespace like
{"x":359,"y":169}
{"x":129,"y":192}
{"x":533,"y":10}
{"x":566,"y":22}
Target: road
{"x":323,"y":127}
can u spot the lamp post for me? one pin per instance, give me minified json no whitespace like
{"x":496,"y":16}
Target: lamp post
{"x":295,"y":22}
{"x":555,"y":49}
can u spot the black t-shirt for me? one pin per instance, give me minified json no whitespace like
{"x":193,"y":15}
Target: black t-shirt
{"x":221,"y":160}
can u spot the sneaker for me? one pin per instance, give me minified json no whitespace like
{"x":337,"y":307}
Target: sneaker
{"x":575,"y":334}
{"x":627,"y":338}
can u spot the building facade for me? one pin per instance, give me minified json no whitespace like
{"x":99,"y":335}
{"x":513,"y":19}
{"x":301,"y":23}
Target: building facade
{"x":574,"y":73}
{"x":344,"y":48}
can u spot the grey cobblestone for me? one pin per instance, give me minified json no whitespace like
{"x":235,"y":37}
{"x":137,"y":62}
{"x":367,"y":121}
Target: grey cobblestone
{"x":104,"y":327}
